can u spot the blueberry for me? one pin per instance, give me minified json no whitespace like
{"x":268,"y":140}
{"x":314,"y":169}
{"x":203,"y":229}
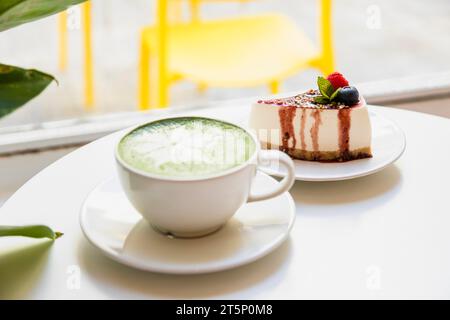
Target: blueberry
{"x":348,"y":96}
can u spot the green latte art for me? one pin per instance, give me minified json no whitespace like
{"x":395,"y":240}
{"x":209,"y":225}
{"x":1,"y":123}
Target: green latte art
{"x":186,"y":147}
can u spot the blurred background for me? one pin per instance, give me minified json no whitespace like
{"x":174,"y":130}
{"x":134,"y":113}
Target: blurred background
{"x":372,"y":41}
{"x":119,"y":63}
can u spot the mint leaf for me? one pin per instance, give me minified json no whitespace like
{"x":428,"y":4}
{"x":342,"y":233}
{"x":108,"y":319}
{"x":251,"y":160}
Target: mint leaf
{"x":321,"y":100}
{"x":333,"y":96}
{"x":325,"y":87}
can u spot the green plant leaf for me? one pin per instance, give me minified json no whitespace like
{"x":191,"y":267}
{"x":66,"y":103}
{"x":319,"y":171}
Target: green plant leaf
{"x":334,"y":95}
{"x":18,"y":86}
{"x":321,"y":100}
{"x":37,"y":231}
{"x":17,"y":12}
{"x":325,"y":87}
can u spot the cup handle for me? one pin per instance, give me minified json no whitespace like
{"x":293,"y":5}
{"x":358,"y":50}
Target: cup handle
{"x":285,"y":184}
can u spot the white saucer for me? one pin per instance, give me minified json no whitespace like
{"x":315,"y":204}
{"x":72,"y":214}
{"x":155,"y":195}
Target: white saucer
{"x":112,"y":225}
{"x":388,"y":144}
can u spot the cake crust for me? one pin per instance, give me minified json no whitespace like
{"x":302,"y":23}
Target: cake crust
{"x":322,"y":156}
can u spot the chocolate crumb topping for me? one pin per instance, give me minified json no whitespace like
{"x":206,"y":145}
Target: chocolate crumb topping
{"x":305,"y":100}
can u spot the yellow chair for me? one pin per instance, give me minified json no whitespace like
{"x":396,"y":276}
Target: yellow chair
{"x":87,"y":45}
{"x":194,"y":6}
{"x":239,"y":52}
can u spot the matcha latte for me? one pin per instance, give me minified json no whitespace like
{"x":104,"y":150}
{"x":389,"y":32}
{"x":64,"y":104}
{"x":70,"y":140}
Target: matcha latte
{"x":186,"y":147}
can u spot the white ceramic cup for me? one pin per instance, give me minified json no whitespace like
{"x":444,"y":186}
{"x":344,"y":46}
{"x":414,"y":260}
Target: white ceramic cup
{"x":197,"y":206}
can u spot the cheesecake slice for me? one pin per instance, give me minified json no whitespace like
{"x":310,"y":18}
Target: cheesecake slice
{"x":310,"y":127}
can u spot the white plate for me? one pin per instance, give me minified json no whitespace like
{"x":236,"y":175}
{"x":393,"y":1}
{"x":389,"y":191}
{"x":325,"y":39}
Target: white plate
{"x":388,"y":144}
{"x":112,"y":225}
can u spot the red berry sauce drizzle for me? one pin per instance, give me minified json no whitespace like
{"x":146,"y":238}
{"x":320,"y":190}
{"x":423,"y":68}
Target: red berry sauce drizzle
{"x":287,"y":115}
{"x":315,"y":129}
{"x":345,"y":122}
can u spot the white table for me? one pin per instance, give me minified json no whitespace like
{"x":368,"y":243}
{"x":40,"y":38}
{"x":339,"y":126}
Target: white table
{"x":382,"y":236}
